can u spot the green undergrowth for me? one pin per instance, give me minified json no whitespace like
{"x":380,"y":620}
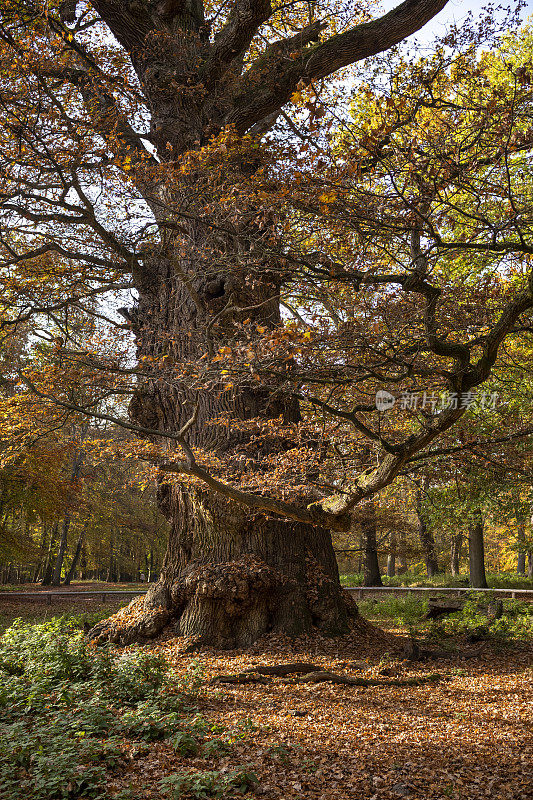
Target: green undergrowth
{"x":402,"y":611}
{"x":479,"y":617}
{"x":71,"y":714}
{"x":496,"y":580}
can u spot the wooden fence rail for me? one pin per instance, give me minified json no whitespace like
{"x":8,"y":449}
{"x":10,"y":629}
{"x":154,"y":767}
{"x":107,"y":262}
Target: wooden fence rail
{"x":359,"y":591}
{"x":108,"y":595}
{"x":362,"y":591}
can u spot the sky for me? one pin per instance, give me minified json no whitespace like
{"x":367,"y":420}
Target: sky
{"x":453,"y":12}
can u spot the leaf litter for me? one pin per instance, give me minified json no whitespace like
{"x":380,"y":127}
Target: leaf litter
{"x":466,"y":735}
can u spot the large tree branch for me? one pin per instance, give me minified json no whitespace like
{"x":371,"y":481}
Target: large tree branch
{"x":131,"y":22}
{"x":233,"y":40}
{"x":313,"y":515}
{"x":309,"y":516}
{"x":271,"y":80}
{"x":496,"y":336}
{"x":373,"y":480}
{"x":128,"y":22}
{"x":446,"y":451}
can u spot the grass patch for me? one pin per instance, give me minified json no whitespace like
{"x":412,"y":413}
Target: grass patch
{"x":476,"y":618}
{"x":400,"y":611}
{"x":497,"y":580}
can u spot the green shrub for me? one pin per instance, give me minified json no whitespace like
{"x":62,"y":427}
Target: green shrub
{"x":148,"y":722}
{"x":185,"y":744}
{"x":201,"y":785}
{"x":65,"y":707}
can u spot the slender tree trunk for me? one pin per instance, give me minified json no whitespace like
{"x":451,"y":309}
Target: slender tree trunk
{"x":83,"y":564}
{"x":521,"y":559}
{"x":530,"y":564}
{"x":391,"y":559}
{"x":457,"y":544}
{"x":476,"y":552}
{"x":74,"y":563}
{"x":75,"y":471}
{"x":426,"y":537}
{"x":372,"y":573}
{"x":56,"y":576}
{"x":42,"y":552}
{"x":109,"y":574}
{"x":48,"y":568}
{"x":360,"y":557}
{"x":403,"y":566}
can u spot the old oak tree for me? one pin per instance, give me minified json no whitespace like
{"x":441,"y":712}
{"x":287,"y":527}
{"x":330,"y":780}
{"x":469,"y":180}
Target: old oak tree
{"x":140,"y":152}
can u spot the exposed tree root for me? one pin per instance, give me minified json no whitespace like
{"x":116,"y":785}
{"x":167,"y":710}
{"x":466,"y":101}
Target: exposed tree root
{"x":264,"y":673}
{"x":241,"y":677}
{"x":312,"y":674}
{"x":348,"y":680}
{"x":284,"y":669}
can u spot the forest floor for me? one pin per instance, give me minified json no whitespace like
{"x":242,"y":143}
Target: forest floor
{"x":466,"y":735}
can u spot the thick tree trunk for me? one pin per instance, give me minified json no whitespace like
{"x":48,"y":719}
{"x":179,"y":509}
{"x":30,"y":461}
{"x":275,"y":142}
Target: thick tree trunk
{"x":426,"y":537}
{"x":232,"y":577}
{"x":229,"y":574}
{"x":372,"y":572}
{"x":457,"y":543}
{"x":476,"y":553}
{"x":229,"y":577}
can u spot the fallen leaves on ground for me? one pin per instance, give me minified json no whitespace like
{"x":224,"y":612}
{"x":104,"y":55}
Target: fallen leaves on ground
{"x":468,"y":736}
